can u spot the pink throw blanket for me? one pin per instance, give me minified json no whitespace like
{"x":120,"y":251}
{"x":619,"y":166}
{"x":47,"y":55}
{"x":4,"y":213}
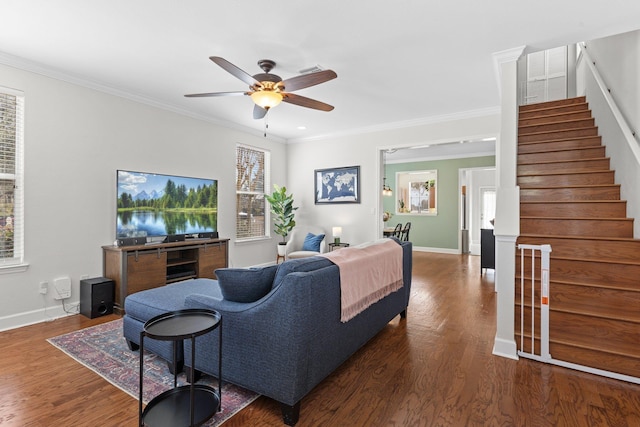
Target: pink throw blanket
{"x":368,"y":273}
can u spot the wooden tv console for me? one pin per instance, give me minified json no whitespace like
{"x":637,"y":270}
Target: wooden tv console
{"x":136,"y":268}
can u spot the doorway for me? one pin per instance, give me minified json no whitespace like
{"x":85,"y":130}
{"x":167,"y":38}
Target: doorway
{"x":478,"y":207}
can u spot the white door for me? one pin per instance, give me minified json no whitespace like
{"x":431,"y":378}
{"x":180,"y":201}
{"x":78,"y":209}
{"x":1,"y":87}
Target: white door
{"x":546,"y":75}
{"x":487,"y":206}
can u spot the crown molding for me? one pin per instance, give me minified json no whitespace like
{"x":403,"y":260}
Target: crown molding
{"x":403,"y":124}
{"x":36,"y":68}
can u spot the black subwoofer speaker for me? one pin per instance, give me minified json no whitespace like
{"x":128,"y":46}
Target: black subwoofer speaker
{"x":96,"y":297}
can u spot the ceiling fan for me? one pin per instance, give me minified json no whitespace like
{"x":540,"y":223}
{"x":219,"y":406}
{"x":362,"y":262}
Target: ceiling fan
{"x":268,"y":90}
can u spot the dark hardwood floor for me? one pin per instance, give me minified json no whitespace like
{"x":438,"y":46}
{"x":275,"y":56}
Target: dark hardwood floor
{"x":433,"y":369}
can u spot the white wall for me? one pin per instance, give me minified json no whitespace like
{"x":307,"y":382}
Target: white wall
{"x":75,"y":140}
{"x":363,"y":222}
{"x":617,"y":61}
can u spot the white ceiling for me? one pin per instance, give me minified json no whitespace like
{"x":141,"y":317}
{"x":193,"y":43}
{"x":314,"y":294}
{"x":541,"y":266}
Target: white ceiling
{"x":397,"y":62}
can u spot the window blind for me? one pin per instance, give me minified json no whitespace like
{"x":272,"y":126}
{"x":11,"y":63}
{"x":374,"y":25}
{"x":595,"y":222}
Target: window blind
{"x":11,"y":176}
{"x":252,"y":176}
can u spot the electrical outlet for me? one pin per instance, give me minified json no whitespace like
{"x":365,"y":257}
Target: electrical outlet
{"x":44,"y":287}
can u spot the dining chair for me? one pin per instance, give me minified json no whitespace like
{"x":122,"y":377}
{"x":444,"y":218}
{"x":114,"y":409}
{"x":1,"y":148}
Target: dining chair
{"x":405,"y":232}
{"x":397,"y":232}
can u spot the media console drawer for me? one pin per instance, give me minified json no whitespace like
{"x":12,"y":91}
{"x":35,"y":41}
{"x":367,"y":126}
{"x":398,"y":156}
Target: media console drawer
{"x":137,"y":268}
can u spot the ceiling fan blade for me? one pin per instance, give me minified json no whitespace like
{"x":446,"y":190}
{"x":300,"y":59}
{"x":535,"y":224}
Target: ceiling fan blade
{"x":307,"y":80}
{"x":202,"y":95}
{"x":303,"y":101}
{"x":259,"y":112}
{"x":235,"y":71}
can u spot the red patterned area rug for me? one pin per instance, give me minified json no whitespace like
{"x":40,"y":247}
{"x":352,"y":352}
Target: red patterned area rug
{"x":103,"y":349}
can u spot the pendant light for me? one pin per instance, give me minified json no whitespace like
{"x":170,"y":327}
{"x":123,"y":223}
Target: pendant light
{"x":386,"y":190}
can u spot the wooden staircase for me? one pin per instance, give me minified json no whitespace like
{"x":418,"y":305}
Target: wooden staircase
{"x":568,"y":199}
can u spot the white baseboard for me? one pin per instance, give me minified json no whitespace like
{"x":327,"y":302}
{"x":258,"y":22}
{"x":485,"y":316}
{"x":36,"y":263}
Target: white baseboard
{"x":437,"y":250}
{"x":505,"y":348}
{"x":38,"y":316}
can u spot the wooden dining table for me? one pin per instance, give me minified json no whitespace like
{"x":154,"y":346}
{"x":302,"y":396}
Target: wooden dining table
{"x":388,"y":231}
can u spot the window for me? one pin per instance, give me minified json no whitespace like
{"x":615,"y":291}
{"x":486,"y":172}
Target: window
{"x":416,"y":192}
{"x":252,"y":178}
{"x":11,"y":188}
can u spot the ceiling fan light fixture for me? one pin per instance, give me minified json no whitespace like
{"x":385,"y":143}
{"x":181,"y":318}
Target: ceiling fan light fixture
{"x":266,"y":98}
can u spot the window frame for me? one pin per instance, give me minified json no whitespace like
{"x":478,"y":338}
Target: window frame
{"x":16,"y":263}
{"x":266,"y":180}
{"x":411,"y":186}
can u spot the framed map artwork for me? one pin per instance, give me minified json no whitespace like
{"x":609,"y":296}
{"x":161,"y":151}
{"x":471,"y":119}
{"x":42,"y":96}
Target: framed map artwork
{"x":337,"y":185}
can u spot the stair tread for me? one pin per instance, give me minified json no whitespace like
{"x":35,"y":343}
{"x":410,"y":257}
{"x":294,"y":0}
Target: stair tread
{"x":595,"y":260}
{"x":615,"y":316}
{"x":550,"y":173}
{"x":568,"y":121}
{"x":607,"y":350}
{"x":572,"y":201}
{"x":558,"y":130}
{"x":546,"y":162}
{"x":559,"y":150}
{"x":577,"y":218}
{"x":575,"y":138}
{"x":572,"y":186}
{"x":553,"y":115}
{"x":586,"y":285}
{"x":570,"y":237}
{"x":553,"y":104}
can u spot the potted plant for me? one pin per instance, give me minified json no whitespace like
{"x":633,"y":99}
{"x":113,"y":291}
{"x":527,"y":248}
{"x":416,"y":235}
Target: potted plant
{"x":283,"y":212}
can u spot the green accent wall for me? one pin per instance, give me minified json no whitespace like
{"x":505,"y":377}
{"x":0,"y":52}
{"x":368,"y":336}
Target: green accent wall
{"x":441,"y":230}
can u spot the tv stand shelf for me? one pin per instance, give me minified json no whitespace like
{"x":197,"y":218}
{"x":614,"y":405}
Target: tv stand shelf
{"x":141,"y":267}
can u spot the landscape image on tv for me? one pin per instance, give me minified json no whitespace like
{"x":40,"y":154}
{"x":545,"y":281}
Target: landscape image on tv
{"x":152,"y":205}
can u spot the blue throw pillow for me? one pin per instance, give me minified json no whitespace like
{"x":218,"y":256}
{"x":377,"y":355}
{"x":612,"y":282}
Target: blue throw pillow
{"x":245,"y":284}
{"x":312,"y":242}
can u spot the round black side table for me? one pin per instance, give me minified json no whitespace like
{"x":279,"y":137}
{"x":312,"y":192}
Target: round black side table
{"x":191,"y":404}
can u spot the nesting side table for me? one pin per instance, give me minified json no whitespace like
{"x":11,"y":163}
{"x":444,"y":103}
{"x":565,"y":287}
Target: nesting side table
{"x":191,"y":404}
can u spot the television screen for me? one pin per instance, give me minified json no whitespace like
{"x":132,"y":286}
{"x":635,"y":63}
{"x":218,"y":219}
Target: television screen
{"x":152,"y":205}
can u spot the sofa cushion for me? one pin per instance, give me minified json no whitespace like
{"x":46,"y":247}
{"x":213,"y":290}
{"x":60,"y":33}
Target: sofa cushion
{"x":153,"y":302}
{"x":300,"y":265}
{"x":312,"y":242}
{"x":245,"y":284}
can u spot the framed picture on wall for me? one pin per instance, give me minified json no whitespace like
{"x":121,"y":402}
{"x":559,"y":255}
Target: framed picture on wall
{"x":337,"y":185}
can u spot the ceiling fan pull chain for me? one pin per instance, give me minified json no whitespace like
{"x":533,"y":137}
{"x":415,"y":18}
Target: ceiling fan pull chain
{"x":266,"y":126}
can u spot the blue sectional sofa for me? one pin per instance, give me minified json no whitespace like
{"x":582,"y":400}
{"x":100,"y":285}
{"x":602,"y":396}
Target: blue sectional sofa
{"x":285,"y":343}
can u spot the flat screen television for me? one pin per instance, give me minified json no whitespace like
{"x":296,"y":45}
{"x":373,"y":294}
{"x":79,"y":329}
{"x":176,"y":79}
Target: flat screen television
{"x":153,"y":205}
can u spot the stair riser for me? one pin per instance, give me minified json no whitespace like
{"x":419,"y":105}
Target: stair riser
{"x":577,"y":227}
{"x":524,"y":115}
{"x":562,"y":180}
{"x":589,"y":273}
{"x":601,"y":360}
{"x":575,"y":210}
{"x":566,"y":144}
{"x":600,"y":302}
{"x":597,"y":359}
{"x":553,"y":104}
{"x":549,"y":117}
{"x":567,"y":167}
{"x":583,"y":330}
{"x":556,"y":126}
{"x":576,"y":154}
{"x":570,"y":193}
{"x":585,"y":248}
{"x":561,"y":134}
